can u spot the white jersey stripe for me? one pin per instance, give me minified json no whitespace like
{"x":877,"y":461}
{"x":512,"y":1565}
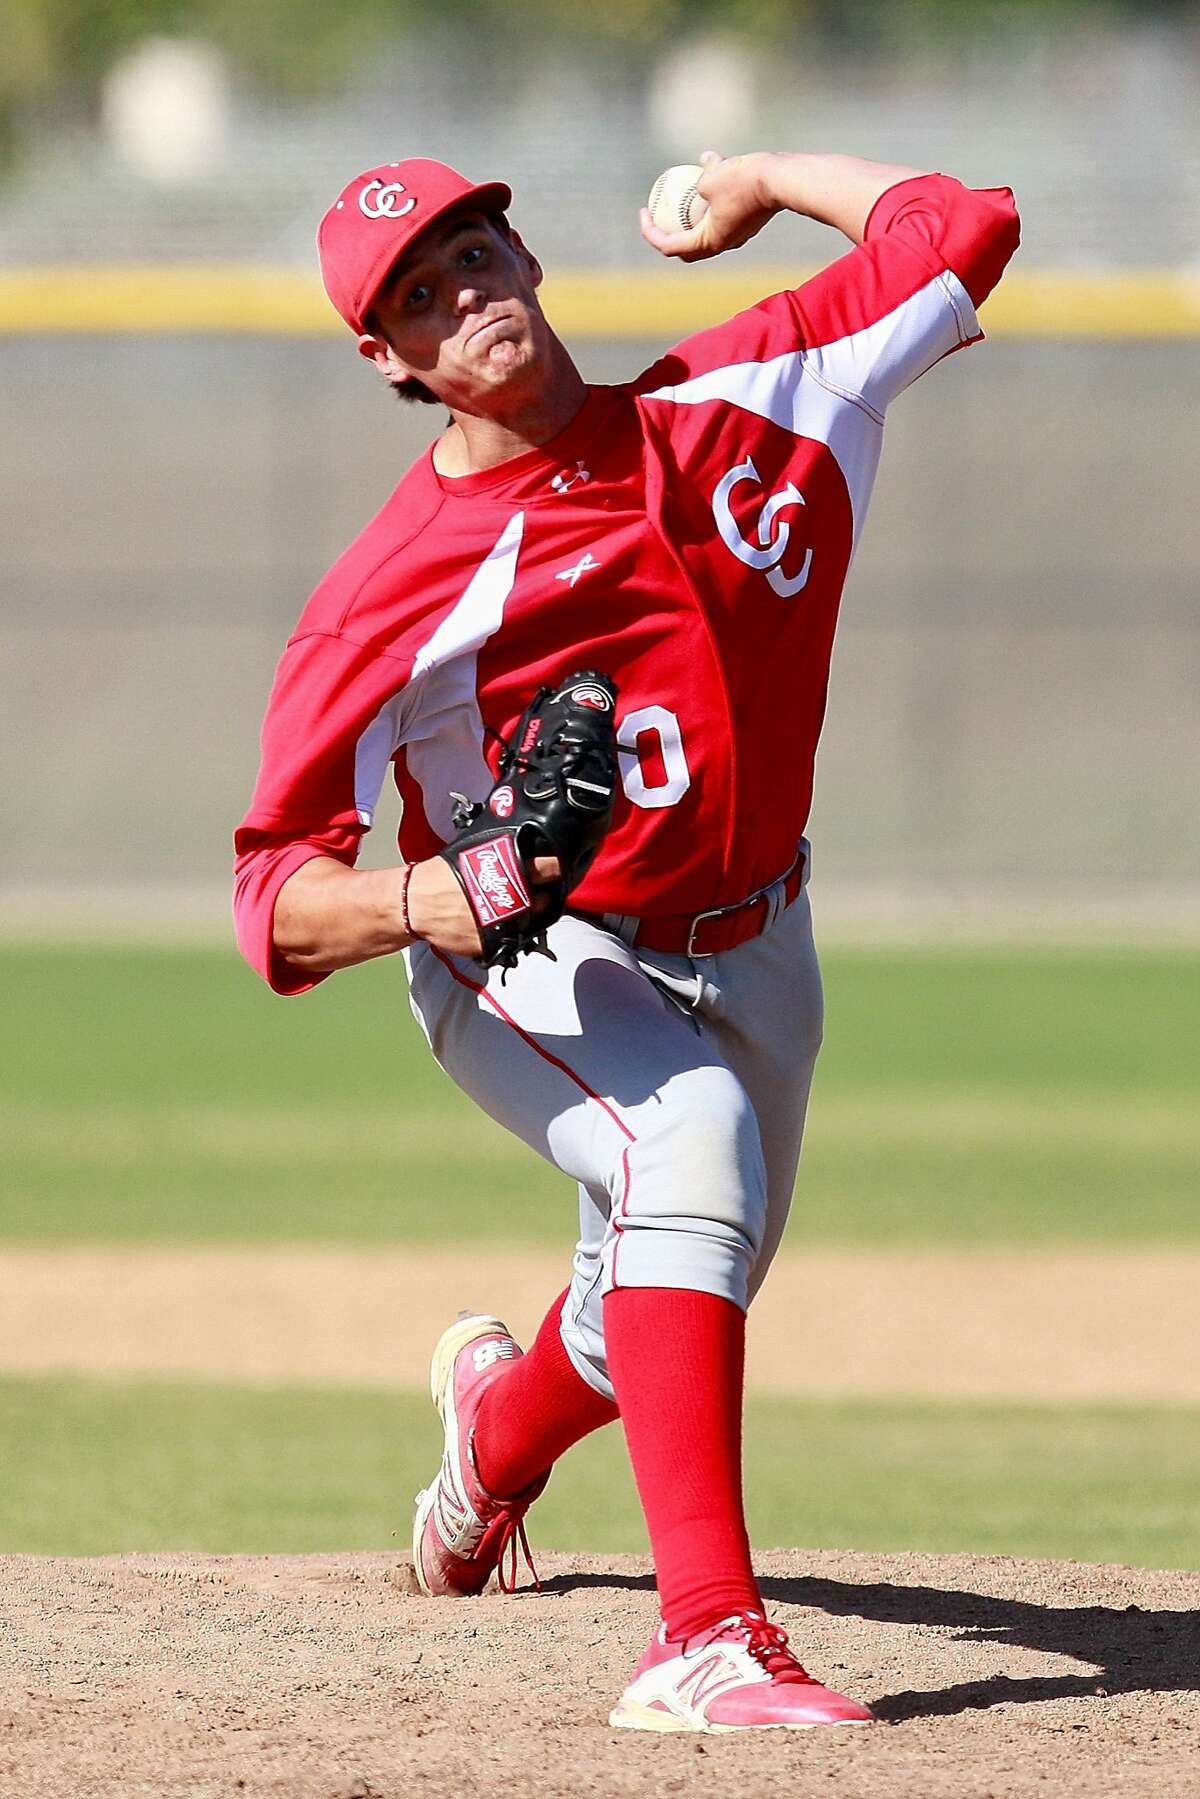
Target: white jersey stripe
{"x":374,"y":751}
{"x":837,"y":393}
{"x":437,"y":712}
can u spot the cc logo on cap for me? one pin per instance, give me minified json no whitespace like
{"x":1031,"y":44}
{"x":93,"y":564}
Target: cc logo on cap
{"x":386,"y":203}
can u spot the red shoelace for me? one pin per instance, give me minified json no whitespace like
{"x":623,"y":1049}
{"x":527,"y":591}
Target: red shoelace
{"x":512,"y":1533}
{"x":766,"y":1642}
{"x":512,"y":1530}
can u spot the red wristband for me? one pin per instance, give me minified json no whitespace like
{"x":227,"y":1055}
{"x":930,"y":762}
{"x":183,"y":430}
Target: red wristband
{"x":405,"y":920}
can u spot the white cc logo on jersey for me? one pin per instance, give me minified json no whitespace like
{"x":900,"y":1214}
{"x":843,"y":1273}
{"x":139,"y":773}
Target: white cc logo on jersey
{"x":386,"y":203}
{"x":772,"y":541}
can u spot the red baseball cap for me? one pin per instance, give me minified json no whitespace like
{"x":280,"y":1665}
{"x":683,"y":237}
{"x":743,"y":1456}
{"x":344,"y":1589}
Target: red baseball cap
{"x":378,"y":215}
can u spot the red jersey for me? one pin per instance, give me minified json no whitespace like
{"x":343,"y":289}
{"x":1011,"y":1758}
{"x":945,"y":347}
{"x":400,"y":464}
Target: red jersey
{"x":689,"y":533}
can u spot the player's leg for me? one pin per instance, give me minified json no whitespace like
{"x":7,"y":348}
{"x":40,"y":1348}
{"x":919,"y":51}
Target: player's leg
{"x":634,"y":1100}
{"x":588,"y":1062}
{"x":760,"y":1008}
{"x":768,"y":1027}
{"x":542,"y":1408}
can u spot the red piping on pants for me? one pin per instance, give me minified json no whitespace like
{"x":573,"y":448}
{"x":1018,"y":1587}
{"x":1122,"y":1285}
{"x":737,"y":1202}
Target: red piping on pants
{"x":476,"y":987}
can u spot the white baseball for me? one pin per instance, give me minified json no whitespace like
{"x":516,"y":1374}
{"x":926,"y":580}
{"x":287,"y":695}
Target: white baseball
{"x":674,"y":202}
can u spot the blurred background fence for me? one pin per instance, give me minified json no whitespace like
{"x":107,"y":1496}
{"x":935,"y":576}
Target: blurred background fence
{"x":189,"y":438}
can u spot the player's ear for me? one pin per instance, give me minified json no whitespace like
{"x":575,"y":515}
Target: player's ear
{"x":375,"y":350}
{"x":527,"y":257}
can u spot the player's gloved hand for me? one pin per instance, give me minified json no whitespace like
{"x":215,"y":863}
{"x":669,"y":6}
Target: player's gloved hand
{"x":438,"y":909}
{"x":738,"y":208}
{"x":554,"y":798}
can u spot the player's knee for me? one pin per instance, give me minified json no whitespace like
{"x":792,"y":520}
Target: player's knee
{"x":699,"y":1166}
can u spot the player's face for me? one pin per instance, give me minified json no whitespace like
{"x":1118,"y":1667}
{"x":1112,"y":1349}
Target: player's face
{"x":460,"y":313}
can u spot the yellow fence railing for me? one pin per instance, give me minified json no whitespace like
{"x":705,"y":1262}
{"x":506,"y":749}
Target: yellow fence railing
{"x":129,"y":300}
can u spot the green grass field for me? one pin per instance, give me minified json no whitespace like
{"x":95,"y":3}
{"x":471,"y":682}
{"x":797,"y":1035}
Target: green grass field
{"x":963,"y":1097}
{"x":93,"y":1469}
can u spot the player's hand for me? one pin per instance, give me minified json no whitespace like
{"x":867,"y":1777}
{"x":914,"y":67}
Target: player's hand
{"x":438,"y":909}
{"x":738,"y":207}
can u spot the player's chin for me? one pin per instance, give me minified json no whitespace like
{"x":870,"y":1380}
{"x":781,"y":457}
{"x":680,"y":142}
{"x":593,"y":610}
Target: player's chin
{"x":501,"y":355}
{"x":509,"y":366}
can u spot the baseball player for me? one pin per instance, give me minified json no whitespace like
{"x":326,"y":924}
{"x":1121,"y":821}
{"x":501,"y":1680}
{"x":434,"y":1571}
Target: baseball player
{"x":687,"y":534}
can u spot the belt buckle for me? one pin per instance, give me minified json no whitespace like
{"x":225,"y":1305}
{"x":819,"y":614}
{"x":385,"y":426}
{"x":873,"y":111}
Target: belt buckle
{"x":716,"y":912}
{"x":751,"y":899}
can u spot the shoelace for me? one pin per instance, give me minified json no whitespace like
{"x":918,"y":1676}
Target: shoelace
{"x":512,"y":1533}
{"x":766,"y":1642}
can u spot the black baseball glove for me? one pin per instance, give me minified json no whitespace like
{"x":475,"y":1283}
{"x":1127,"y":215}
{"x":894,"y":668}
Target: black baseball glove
{"x":553,"y":797}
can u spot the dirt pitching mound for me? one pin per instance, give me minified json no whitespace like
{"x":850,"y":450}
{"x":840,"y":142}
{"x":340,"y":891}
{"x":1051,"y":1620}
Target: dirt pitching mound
{"x":330,"y":1677}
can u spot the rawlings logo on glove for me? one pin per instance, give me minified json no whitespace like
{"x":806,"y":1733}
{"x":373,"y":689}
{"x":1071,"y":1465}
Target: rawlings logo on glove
{"x":554,"y":797}
{"x":493,"y":880}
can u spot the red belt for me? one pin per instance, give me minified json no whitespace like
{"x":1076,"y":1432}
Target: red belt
{"x":712,"y":933}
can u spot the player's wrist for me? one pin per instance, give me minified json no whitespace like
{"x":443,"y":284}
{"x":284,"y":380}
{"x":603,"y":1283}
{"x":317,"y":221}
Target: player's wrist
{"x":413,"y":900}
{"x":438,"y":912}
{"x":770,"y":176}
{"x":406,"y":923}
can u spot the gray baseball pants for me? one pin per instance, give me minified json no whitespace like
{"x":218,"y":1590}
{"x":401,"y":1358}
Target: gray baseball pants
{"x":672,"y":1091}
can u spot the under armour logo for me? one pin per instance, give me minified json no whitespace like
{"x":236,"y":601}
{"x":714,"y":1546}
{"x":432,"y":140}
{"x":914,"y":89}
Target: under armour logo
{"x":386,"y":203}
{"x":564,"y":483}
{"x":772,"y":543}
{"x":587,"y":562}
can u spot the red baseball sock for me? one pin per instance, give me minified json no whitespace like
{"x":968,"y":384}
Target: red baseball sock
{"x":530,"y":1417}
{"x":676,"y":1360}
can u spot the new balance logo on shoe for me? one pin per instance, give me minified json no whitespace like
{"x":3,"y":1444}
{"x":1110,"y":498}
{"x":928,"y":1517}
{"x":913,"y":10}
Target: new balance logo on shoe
{"x":496,"y":1349}
{"x":455,"y":1521}
{"x":710,"y":1676}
